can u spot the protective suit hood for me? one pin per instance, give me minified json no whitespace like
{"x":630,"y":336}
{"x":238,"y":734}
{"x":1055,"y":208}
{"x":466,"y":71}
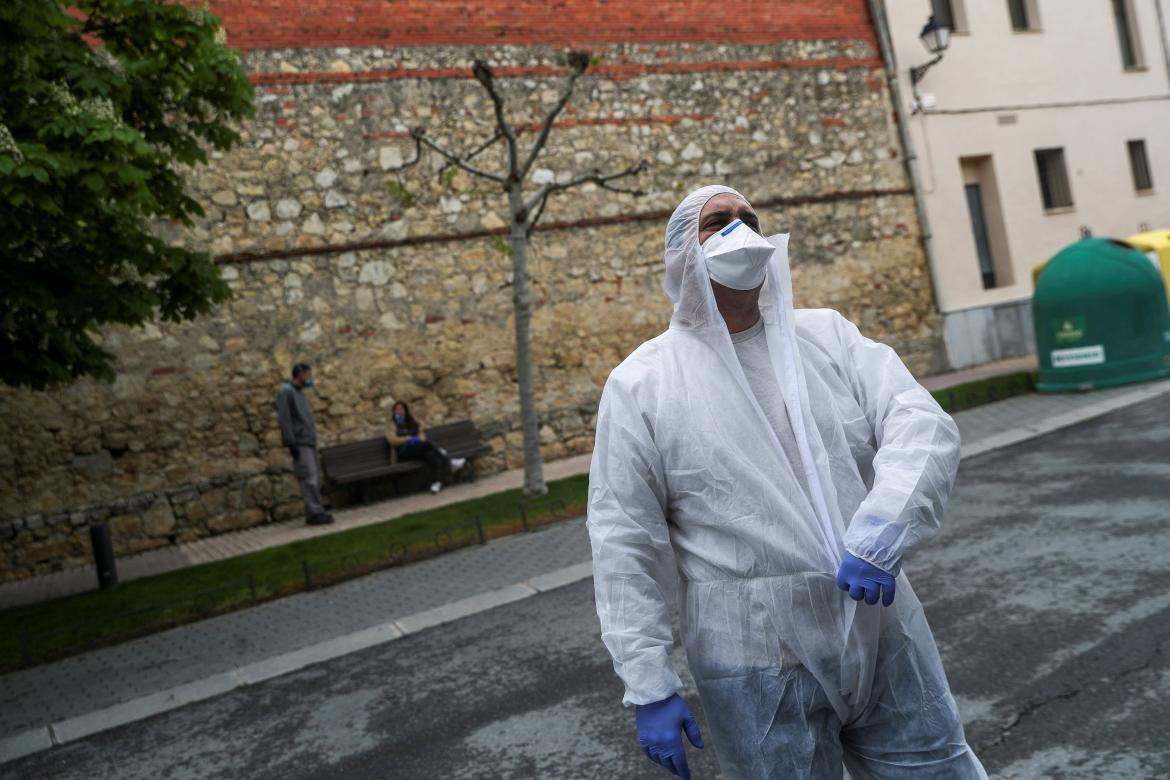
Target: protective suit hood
{"x":687,"y":282}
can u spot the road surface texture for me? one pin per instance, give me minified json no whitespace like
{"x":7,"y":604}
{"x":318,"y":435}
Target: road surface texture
{"x":1047,"y":594}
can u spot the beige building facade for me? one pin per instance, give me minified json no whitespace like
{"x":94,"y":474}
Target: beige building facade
{"x":1044,"y":121}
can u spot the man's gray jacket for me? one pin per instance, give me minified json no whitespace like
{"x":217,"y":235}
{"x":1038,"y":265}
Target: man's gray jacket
{"x":295,"y":417}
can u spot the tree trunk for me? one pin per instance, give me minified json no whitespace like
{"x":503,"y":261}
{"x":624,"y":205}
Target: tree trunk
{"x":522,"y":304}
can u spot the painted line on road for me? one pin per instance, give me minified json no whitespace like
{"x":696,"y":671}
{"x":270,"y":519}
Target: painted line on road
{"x":71,"y":729}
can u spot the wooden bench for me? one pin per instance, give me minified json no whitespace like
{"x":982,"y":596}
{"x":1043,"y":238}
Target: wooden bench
{"x":460,"y":440}
{"x":360,"y":462}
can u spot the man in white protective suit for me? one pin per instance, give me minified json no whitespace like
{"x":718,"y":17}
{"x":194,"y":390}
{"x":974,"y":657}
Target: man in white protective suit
{"x":766,"y":469}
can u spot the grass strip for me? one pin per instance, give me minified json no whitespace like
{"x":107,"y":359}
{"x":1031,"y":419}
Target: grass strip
{"x":984,"y":391}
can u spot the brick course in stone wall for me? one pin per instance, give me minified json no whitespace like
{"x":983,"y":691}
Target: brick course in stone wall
{"x":397,"y":284}
{"x":328,"y":23}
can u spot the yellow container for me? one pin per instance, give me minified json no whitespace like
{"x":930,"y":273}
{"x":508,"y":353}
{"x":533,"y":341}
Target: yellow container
{"x":1156,"y":245}
{"x":1036,"y":272}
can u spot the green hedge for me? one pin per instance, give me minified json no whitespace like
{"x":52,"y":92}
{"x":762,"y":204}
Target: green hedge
{"x":985,"y":391}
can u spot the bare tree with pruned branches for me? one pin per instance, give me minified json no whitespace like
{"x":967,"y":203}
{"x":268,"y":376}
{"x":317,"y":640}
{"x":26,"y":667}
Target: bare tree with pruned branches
{"x":524,"y":211}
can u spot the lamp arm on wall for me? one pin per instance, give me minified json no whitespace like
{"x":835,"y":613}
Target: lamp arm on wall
{"x":916,"y":74}
{"x":918,"y":71}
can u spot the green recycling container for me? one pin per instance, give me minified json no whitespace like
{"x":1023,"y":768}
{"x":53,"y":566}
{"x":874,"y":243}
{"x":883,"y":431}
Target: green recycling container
{"x":1101,"y":318}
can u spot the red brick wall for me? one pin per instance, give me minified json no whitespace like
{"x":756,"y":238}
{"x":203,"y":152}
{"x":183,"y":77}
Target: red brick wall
{"x":260,"y":24}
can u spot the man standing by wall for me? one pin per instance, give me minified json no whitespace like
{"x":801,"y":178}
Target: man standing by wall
{"x":299,"y":434}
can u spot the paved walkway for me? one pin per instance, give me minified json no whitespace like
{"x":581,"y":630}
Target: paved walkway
{"x":84,"y":578}
{"x":76,"y":697}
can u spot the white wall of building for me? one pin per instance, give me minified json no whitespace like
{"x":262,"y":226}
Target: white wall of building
{"x":1004,"y":94}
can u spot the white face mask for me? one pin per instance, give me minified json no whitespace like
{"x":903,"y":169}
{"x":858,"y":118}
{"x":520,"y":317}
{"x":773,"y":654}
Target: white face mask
{"x":737,"y":256}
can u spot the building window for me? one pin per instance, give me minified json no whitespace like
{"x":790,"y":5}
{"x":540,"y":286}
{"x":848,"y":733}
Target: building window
{"x":1019,"y":13}
{"x":979,"y":229}
{"x":944,"y":12}
{"x":1131,"y":54}
{"x":987,"y":223}
{"x":1054,"y":187}
{"x":950,"y":13}
{"x":1025,"y":15}
{"x":1139,"y":163}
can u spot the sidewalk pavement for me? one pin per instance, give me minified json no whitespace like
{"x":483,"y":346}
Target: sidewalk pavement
{"x":84,"y":578}
{"x":76,"y":697}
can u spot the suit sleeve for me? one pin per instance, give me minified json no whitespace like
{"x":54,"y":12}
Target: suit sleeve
{"x":917,"y":453}
{"x":634,"y":571}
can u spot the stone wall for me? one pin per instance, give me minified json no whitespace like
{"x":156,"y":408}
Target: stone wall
{"x":397,"y":285}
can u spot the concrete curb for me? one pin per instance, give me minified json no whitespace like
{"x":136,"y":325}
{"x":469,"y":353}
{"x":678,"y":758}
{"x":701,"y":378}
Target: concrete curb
{"x":26,"y":742}
{"x":1058,"y":421}
{"x":71,"y":729}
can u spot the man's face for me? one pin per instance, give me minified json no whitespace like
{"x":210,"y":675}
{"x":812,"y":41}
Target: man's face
{"x":723,"y":209}
{"x":303,"y":378}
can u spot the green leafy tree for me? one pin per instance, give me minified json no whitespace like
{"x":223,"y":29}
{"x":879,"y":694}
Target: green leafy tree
{"x":103,"y":104}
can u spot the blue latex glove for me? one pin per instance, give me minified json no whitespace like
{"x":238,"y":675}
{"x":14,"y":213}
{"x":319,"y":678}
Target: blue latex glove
{"x":659,"y":727}
{"x":414,"y":440}
{"x":864,"y":580}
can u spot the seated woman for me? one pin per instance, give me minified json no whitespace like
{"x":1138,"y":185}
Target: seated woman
{"x":411,"y":443}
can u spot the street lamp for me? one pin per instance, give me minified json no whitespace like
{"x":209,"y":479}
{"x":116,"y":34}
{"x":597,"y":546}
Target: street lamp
{"x":935,"y":37}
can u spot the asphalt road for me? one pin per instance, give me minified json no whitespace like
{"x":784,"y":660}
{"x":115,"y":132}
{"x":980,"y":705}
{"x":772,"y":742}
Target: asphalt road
{"x":1047,"y":593}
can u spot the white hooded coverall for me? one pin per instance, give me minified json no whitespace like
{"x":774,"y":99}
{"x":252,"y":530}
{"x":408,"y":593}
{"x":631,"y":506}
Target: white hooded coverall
{"x":694,"y":495}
